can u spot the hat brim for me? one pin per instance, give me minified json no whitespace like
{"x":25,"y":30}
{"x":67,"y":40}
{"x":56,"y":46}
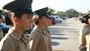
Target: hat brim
{"x":30,"y":12}
{"x":12,"y":6}
{"x":9,"y":5}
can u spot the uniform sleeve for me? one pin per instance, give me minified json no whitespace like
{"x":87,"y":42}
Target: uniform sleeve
{"x":34,"y":39}
{"x":50,"y":44}
{"x":82,"y":38}
{"x":1,"y":34}
{"x":9,"y":45}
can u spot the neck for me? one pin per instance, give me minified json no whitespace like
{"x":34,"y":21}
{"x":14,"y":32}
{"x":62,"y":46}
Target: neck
{"x":43,"y":26}
{"x":18,"y":30}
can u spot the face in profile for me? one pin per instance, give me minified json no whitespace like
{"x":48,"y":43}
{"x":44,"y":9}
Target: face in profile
{"x":46,"y":21}
{"x":49,"y":22}
{"x":26,"y":20}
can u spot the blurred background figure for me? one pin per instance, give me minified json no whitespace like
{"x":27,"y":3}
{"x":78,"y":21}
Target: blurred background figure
{"x":85,"y":33}
{"x":3,"y":26}
{"x":8,"y":19}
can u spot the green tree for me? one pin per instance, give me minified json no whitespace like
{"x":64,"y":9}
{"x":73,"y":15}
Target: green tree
{"x":89,"y":11}
{"x":71,"y":13}
{"x":80,"y":13}
{"x":60,"y":13}
{"x":51,"y":11}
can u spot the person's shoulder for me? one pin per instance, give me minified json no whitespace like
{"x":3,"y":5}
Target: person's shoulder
{"x":85,"y":29}
{"x":35,"y":34}
{"x":9,"y":40}
{"x":86,"y":26}
{"x":8,"y":43}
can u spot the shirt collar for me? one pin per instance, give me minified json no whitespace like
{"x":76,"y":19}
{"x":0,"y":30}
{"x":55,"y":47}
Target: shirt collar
{"x":45,"y":31}
{"x":14,"y":34}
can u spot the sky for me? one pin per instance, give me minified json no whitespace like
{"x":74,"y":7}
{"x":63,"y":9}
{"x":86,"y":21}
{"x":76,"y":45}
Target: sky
{"x":58,"y":5}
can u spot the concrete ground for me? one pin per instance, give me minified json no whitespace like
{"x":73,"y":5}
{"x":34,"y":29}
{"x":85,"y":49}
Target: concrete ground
{"x":65,"y":35}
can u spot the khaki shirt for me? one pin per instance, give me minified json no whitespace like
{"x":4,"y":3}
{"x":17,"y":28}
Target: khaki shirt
{"x":1,"y":34}
{"x":85,"y":36}
{"x":40,"y":40}
{"x":14,"y":42}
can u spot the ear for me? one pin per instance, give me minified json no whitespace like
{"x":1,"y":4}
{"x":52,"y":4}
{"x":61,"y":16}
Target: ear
{"x":15,"y":19}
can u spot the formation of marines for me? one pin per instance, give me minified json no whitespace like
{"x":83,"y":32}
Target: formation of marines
{"x":39,"y":39}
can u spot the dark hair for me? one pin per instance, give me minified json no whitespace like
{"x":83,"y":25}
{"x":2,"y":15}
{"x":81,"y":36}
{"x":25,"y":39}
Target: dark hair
{"x":85,"y":18}
{"x":19,"y":14}
{"x":8,"y":18}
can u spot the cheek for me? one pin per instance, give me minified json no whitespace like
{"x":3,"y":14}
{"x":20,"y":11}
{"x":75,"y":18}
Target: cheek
{"x":26,"y":22}
{"x":49,"y":21}
{"x":46,"y":21}
{"x":89,"y":21}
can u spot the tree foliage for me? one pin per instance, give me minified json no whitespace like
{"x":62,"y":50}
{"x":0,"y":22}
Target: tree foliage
{"x":71,"y":13}
{"x":60,"y":13}
{"x":51,"y":11}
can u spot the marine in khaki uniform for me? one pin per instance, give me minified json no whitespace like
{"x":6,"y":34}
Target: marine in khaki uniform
{"x":15,"y":39}
{"x":40,"y":38}
{"x":85,"y":34}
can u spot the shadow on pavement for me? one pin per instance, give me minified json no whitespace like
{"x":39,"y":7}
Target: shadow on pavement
{"x":57,"y":34}
{"x":61,"y":50}
{"x":55,"y":43}
{"x":55,"y":30}
{"x":59,"y":38}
